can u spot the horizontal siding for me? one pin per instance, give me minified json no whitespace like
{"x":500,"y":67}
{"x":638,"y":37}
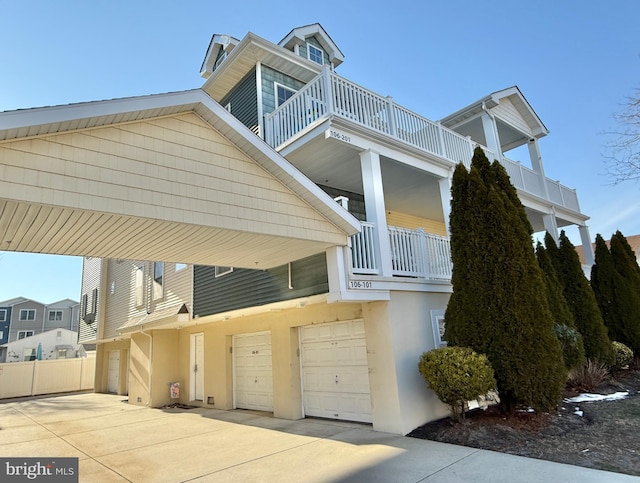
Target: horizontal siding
{"x":244,"y":101}
{"x":247,"y":288}
{"x":269,"y":76}
{"x":121,"y":299}
{"x":508,"y":112}
{"x":356,"y":201}
{"x":404,"y":220}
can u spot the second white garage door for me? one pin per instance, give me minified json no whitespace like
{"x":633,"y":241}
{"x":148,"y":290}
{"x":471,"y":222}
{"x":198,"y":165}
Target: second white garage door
{"x":253,"y":380}
{"x":335,"y":373}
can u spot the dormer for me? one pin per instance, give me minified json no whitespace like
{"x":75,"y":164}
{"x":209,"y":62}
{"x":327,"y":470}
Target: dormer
{"x":219,"y":48}
{"x":313,"y":43}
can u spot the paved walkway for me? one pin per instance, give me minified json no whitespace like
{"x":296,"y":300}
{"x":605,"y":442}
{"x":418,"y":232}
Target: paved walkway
{"x":117,"y":442}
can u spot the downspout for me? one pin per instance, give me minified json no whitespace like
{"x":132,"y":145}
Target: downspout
{"x":150,"y":364}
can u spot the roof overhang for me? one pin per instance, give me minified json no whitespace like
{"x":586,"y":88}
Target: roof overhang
{"x":219,"y":42}
{"x":243,"y":58}
{"x":41,"y":122}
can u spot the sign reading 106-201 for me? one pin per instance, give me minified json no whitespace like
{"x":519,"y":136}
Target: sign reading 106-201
{"x":335,"y":134}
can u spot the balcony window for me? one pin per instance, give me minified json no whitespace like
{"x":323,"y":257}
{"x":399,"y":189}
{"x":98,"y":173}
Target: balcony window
{"x":282,"y":94}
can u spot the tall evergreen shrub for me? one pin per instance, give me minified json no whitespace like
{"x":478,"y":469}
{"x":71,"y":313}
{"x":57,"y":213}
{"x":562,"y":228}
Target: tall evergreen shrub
{"x":499,"y":305}
{"x":628,"y":295}
{"x":581,"y":299}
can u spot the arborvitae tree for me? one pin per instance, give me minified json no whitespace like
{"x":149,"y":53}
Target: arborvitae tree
{"x":628,"y":294}
{"x":606,"y":282}
{"x":564,"y":328}
{"x":499,"y":306}
{"x":581,"y":299}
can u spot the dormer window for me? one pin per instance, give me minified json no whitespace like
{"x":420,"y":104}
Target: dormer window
{"x":315,"y":54}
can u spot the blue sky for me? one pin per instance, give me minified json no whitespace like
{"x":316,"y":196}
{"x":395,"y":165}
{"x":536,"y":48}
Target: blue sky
{"x":574,"y":61}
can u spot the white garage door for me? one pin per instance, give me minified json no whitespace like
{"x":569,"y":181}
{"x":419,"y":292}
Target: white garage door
{"x":335,"y":373}
{"x":253,"y":380}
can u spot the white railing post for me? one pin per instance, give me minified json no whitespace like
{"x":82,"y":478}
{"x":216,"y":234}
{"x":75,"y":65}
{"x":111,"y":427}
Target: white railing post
{"x":327,"y":88}
{"x":443,"y":151}
{"x":391,"y":109}
{"x":424,"y":254}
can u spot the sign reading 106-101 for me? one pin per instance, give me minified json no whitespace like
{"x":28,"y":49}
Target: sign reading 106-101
{"x":360,"y":284}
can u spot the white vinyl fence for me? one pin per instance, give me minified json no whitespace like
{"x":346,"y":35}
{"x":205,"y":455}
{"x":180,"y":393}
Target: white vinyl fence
{"x":18,"y":379}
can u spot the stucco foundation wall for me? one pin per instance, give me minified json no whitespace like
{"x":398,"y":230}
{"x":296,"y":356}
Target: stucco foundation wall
{"x":398,"y":332}
{"x":102,"y":365}
{"x":283,"y":325}
{"x":140,"y":369}
{"x":164,"y":369}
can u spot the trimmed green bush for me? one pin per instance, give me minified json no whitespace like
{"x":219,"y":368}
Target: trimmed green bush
{"x":457,"y":375}
{"x":571,"y":344}
{"x":624,"y":356}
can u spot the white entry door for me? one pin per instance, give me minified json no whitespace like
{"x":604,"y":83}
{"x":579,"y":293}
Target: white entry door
{"x":253,"y":379}
{"x":196,"y":380}
{"x":114,"y":372}
{"x":335,"y":371}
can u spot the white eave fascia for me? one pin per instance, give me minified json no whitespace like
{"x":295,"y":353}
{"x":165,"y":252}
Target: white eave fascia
{"x":50,"y":120}
{"x":218,"y":41}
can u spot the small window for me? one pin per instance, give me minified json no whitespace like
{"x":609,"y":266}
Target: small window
{"x":24,"y":333}
{"x":220,"y":271}
{"x":228,"y":106}
{"x":29,"y":354}
{"x":55,"y":315}
{"x":112,"y":288}
{"x":3,"y":315}
{"x":180,"y":266}
{"x":27,"y":314}
{"x":438,"y":326}
{"x":315,"y":54}
{"x":61,"y":354}
{"x":158,"y":276}
{"x":282,"y":94}
{"x":1,"y":334}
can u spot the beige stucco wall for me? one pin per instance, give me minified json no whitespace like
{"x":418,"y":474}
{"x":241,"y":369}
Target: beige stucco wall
{"x":397,"y":332}
{"x":102,"y":365}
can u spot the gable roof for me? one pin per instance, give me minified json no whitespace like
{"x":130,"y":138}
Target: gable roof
{"x":25,"y":124}
{"x":218,"y":42}
{"x":301,"y":34}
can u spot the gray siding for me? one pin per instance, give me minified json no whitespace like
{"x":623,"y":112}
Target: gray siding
{"x":269,"y":76}
{"x":248,"y":288}
{"x":244,"y":101}
{"x":356,"y":201}
{"x":34,"y":325}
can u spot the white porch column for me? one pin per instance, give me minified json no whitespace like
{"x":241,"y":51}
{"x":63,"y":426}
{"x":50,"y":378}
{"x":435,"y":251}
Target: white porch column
{"x":536,"y":164}
{"x":375,"y":208}
{"x":587,"y":248}
{"x":491,"y":134}
{"x":445,"y":196}
{"x":551,"y":225}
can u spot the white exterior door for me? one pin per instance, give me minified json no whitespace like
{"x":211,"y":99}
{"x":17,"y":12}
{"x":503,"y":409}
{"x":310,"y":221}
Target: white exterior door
{"x":114,"y":372}
{"x":253,"y":380}
{"x":196,"y":380}
{"x":335,"y":371}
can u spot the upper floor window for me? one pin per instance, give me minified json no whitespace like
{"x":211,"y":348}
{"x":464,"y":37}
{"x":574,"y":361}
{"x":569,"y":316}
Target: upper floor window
{"x":158,"y":276}
{"x":24,"y":333}
{"x":282,"y":94}
{"x":27,"y":314}
{"x":223,"y":271}
{"x":3,"y":315}
{"x":315,"y":54}
{"x":55,"y":315}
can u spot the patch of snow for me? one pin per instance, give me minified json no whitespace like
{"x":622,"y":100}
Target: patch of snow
{"x":577,"y":412}
{"x":616,"y":396}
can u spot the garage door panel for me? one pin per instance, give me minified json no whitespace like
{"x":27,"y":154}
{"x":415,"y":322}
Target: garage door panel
{"x":253,"y":376}
{"x":335,"y":371}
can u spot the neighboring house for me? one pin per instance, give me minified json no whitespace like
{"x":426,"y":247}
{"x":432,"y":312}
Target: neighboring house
{"x":634,"y":243}
{"x":25,"y":317}
{"x":53,"y":344}
{"x":336,"y":332}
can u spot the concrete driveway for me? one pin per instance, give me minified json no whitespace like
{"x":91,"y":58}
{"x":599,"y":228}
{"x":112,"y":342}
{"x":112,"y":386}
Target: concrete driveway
{"x":116,"y":442}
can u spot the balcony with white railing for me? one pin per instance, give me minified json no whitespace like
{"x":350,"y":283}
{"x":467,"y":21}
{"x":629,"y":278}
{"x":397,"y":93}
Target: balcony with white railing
{"x":331,"y":95}
{"x":413,"y":253}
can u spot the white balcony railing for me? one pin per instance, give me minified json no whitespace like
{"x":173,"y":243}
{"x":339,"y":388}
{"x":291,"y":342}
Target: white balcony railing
{"x":413,"y":253}
{"x":332,"y":95}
